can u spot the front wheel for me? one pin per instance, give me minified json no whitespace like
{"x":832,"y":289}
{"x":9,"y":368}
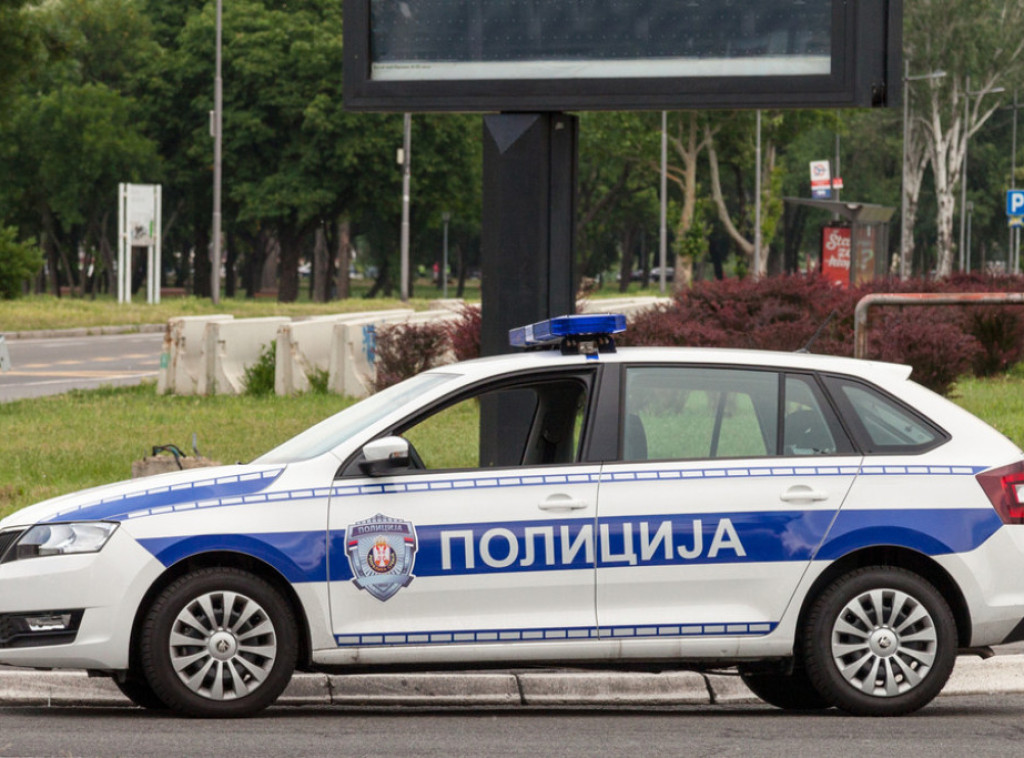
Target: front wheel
{"x":791,"y":692}
{"x":880,"y":641}
{"x":219,"y":643}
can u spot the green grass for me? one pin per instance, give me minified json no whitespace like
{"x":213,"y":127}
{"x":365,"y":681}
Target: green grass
{"x":47,"y":312}
{"x":64,"y":443}
{"x":998,"y":400}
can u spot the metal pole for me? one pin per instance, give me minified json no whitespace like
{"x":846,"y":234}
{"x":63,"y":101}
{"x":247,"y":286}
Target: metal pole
{"x":406,"y":176}
{"x":838,"y":173}
{"x":446,"y":217}
{"x":663,"y":239}
{"x":906,"y":245}
{"x":757,"y":202}
{"x":963,"y":177}
{"x":1011,"y":252}
{"x":218,"y":117}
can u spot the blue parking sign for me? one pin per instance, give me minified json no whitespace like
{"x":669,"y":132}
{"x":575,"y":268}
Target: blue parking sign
{"x":1015,"y":202}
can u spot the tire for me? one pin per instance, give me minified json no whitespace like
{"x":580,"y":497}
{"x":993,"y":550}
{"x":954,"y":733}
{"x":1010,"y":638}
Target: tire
{"x":880,"y":641}
{"x":790,"y":692}
{"x":139,"y":692}
{"x":218,"y":643}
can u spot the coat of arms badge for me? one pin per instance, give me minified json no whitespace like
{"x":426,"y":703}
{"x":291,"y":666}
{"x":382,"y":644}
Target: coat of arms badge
{"x":381,"y":552}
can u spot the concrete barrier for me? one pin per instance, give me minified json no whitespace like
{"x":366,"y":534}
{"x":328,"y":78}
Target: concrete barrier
{"x":354,"y":347}
{"x":229,"y":347}
{"x":305,"y":346}
{"x":628,"y":306}
{"x":5,"y":355}
{"x":181,"y":366}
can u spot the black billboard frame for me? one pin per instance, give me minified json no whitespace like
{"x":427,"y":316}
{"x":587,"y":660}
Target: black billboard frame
{"x":866,"y":64}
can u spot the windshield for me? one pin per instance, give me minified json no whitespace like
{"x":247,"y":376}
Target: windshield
{"x":333,"y":431}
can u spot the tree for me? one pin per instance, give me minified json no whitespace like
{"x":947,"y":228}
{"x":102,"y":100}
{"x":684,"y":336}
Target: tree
{"x":979,"y":46}
{"x":18,"y":45}
{"x":75,"y":131}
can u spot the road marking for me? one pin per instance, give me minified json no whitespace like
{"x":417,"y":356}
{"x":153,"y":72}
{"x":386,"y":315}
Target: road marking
{"x":85,"y":374}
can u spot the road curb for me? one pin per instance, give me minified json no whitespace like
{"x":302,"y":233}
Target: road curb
{"x":85,"y":331}
{"x":23,"y":687}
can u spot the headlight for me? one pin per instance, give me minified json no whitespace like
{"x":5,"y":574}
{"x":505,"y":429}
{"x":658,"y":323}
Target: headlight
{"x":62,"y":539}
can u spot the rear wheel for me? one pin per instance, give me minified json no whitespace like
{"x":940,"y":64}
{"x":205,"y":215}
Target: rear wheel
{"x":791,"y":692}
{"x":218,"y":643}
{"x":880,"y":641}
{"x":139,"y":692}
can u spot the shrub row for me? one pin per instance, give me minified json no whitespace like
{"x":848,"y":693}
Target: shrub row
{"x":785,"y":313}
{"x":780,"y":313}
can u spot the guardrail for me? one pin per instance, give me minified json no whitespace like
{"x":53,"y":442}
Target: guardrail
{"x":861,"y":315}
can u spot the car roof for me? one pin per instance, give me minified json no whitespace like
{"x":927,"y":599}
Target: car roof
{"x":876,"y":371}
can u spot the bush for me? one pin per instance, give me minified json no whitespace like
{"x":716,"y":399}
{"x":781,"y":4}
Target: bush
{"x":259,"y":377}
{"x":404,"y":350}
{"x":936,"y":346}
{"x":19,"y":262}
{"x":464,"y":334}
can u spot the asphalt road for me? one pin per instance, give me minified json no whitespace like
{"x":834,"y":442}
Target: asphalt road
{"x":977,"y":726}
{"x":52,"y":366}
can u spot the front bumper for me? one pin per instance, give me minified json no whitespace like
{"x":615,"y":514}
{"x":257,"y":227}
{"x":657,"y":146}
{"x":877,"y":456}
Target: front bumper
{"x":101,"y":593}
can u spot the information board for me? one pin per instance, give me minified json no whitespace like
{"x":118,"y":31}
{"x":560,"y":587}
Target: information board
{"x":619,"y":54}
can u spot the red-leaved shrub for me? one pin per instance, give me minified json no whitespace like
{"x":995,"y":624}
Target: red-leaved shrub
{"x":464,"y":333}
{"x":404,"y":350}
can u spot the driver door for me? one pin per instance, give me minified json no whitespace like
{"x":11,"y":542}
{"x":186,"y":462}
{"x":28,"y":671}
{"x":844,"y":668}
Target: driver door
{"x":487,"y":536}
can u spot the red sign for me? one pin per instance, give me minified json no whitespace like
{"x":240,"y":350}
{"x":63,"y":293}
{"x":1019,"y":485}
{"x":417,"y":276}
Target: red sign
{"x":835,"y":254}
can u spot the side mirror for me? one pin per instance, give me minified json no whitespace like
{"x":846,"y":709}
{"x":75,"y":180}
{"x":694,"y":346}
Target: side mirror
{"x":383,"y":455}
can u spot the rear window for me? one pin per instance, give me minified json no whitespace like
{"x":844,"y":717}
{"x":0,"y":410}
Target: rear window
{"x":882,"y":424}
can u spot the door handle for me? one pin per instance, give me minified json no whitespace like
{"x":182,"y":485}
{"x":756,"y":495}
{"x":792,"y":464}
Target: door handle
{"x":561,"y":503}
{"x":801,"y":493}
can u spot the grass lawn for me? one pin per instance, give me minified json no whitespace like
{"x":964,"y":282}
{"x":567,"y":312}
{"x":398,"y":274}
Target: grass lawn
{"x":64,"y":443}
{"x":48,"y":312}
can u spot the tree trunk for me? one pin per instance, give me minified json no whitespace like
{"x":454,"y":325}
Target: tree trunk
{"x":343,"y":255}
{"x":320,"y":271}
{"x":288,"y":281}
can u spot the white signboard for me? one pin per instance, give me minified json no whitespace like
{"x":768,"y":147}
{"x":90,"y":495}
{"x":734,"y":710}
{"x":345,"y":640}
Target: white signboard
{"x":821,"y":179}
{"x":139,"y":225}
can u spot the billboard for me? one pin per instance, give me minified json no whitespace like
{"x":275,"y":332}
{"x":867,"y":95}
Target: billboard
{"x":545,"y":55}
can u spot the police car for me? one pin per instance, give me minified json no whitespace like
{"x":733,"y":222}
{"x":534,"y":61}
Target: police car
{"x":831,"y":529}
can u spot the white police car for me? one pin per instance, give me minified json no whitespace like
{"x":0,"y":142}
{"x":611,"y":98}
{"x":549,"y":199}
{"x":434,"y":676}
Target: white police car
{"x":827,"y":526}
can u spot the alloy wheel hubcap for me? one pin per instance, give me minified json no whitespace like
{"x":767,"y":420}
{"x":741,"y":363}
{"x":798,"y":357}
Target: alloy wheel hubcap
{"x":884,"y":642}
{"x":222,"y":645}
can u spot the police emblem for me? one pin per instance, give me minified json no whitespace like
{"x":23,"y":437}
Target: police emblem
{"x":381,"y":552}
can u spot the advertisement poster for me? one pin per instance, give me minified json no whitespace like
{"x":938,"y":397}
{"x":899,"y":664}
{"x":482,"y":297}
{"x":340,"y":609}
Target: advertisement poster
{"x":835,"y":254}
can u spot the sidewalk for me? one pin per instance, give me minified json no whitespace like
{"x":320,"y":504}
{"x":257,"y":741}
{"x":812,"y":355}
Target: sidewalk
{"x":533,"y":687}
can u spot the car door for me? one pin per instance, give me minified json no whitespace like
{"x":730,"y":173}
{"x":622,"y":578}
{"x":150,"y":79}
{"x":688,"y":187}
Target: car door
{"x":486,"y":538}
{"x":728,"y":479}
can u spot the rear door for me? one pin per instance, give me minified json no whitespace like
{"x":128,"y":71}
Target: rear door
{"x":728,"y":479}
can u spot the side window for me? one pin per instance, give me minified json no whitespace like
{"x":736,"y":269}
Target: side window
{"x":694,"y":412}
{"x":805,"y":423}
{"x":881,"y":423}
{"x":520,"y":425}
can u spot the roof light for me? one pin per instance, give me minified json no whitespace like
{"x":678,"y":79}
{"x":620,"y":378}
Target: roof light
{"x":588,"y":333}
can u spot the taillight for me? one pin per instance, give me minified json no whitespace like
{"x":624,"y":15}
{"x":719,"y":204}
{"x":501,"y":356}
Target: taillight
{"x":1005,"y":488}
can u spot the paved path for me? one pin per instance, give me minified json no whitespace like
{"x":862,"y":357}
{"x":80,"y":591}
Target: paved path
{"x":51,"y":363}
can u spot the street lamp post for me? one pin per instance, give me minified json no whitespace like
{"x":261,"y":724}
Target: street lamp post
{"x":218,"y":120}
{"x":663,"y":230}
{"x":405,"y":159}
{"x":446,"y":217}
{"x":906,"y":248}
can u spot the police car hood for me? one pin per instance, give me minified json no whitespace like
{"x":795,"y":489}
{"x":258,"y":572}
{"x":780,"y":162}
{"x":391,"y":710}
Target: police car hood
{"x":122,"y":500}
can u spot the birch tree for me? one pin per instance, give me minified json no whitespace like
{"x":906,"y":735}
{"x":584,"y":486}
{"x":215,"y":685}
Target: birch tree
{"x":979,"y":45}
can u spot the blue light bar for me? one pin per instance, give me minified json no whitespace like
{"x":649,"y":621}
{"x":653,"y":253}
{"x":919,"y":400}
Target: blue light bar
{"x":555,"y":330}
